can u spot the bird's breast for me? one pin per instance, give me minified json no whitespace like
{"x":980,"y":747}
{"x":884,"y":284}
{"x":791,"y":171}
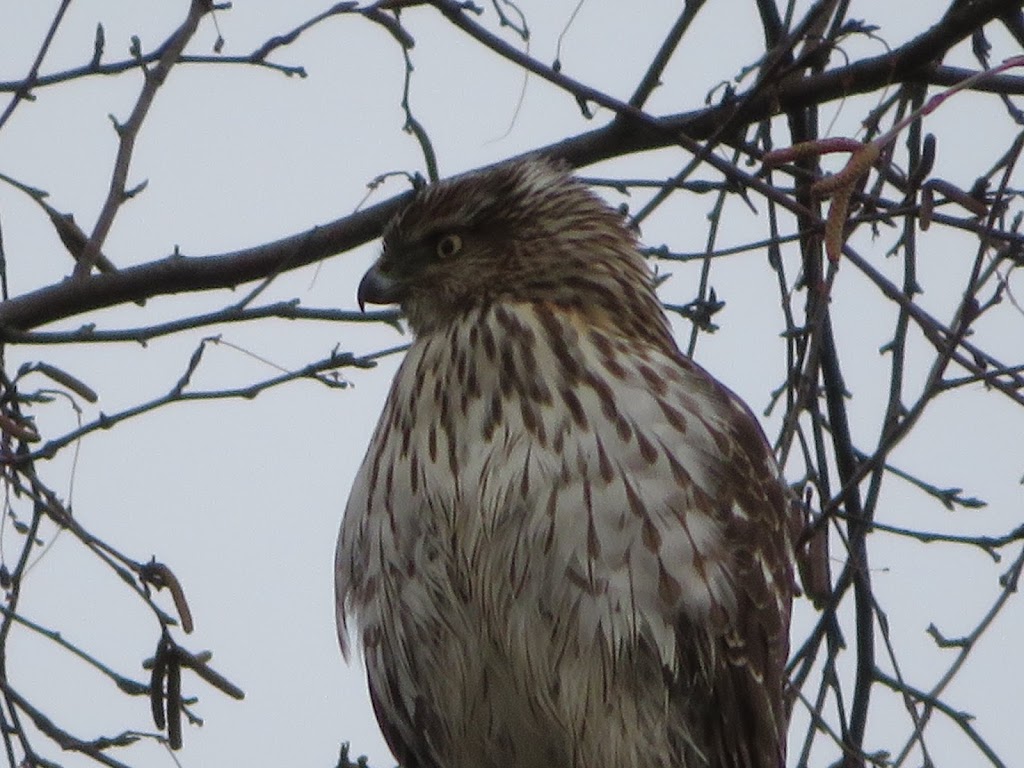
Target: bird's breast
{"x":529,"y":466}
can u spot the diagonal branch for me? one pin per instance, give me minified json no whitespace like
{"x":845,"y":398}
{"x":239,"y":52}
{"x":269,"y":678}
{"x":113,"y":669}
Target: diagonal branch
{"x":171,"y":51}
{"x":180,"y":274}
{"x":25,"y":86}
{"x":176,"y":274}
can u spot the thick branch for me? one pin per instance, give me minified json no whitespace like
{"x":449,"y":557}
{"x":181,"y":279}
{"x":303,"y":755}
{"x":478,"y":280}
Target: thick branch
{"x":180,"y":274}
{"x":912,"y":61}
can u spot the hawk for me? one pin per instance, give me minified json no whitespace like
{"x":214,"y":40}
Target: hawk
{"x":568,"y":545}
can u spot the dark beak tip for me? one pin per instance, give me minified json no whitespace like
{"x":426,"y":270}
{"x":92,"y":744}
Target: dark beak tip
{"x":361,"y":294}
{"x":377,"y":288}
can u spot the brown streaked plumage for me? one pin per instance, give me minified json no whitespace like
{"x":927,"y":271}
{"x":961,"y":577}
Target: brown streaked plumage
{"x":568,"y":545}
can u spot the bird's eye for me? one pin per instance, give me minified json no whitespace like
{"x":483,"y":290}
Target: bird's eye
{"x":449,"y":245}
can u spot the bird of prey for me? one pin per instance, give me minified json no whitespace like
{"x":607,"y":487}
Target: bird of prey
{"x":568,"y":546}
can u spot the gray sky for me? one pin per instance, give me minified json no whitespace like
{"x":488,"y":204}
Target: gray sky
{"x":243,"y":499}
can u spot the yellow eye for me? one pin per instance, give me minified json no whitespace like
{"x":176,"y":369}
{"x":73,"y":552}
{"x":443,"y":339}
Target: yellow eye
{"x":449,"y":245}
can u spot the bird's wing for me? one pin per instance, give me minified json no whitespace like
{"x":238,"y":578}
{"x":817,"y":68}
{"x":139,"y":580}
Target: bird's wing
{"x":665,"y":515}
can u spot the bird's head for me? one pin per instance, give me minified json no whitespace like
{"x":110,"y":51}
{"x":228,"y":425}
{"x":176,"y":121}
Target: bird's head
{"x":521,"y":232}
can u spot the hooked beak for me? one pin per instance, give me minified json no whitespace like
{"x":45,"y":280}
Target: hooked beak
{"x":378,"y":288}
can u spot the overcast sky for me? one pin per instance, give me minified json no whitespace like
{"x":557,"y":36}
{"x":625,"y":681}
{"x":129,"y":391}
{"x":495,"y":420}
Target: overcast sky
{"x":243,"y":499}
